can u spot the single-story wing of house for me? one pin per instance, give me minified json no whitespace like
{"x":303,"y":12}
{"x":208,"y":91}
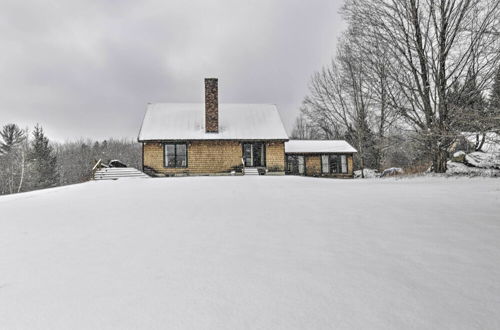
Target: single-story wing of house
{"x":319,"y":158}
{"x":211,"y":138}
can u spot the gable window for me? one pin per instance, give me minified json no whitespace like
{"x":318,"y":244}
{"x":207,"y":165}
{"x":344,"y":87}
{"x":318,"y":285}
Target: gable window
{"x":334,"y":164}
{"x":175,"y":154}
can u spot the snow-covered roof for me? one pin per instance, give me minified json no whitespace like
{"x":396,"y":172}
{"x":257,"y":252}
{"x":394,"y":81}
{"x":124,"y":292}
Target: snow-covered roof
{"x":318,"y":146}
{"x":186,"y":121}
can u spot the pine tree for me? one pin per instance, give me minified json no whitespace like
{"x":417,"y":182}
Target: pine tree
{"x":12,"y":156}
{"x":43,"y":161}
{"x":12,"y":136}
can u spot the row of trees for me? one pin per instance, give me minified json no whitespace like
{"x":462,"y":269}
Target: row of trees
{"x":409,"y":77}
{"x":29,"y":161}
{"x":26,"y":164}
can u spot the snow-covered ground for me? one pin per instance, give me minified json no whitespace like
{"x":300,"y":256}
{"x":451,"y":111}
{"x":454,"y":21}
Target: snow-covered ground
{"x":253,"y":253}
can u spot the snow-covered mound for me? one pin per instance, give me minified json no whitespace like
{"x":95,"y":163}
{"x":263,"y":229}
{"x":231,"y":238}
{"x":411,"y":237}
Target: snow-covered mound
{"x":392,"y":172}
{"x":368,"y":173}
{"x":252,"y":253}
{"x":483,"y":160}
{"x":455,"y":168}
{"x":474,"y":164}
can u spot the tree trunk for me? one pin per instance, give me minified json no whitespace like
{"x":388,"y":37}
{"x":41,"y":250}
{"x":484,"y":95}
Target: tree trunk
{"x":22,"y":172}
{"x":480,"y":143}
{"x":439,"y":159}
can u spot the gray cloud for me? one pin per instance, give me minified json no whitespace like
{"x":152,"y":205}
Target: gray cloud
{"x":88,"y":68}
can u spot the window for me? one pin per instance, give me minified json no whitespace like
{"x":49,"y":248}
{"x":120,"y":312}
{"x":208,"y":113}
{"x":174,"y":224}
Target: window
{"x":324,"y":164}
{"x":332,"y":164}
{"x":175,"y":154}
{"x":301,"y":163}
{"x":334,"y":168}
{"x":343,"y":162}
{"x":295,"y":164}
{"x":290,"y":163}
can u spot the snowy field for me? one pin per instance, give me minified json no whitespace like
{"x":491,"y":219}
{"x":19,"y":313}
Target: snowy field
{"x":253,"y":253}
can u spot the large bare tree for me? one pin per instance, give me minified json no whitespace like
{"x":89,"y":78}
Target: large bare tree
{"x":431,"y":45}
{"x":349,"y":98}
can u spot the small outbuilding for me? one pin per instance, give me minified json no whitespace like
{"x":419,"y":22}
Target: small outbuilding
{"x":331,"y":158}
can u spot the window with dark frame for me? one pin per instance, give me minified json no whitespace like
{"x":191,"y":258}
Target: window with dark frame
{"x":334,"y":164}
{"x":175,"y":154}
{"x":295,"y":164}
{"x":290,"y":162}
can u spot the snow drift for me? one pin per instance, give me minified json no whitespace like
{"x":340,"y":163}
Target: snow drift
{"x":252,"y":253}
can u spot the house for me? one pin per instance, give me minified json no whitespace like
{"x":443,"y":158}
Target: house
{"x":319,"y":158}
{"x":213,"y":139}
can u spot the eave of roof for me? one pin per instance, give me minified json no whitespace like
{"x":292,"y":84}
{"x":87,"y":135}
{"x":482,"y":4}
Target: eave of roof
{"x":318,"y":147}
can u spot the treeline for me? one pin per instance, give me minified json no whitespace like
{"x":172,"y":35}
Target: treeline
{"x":29,"y":161}
{"x":408,"y":79}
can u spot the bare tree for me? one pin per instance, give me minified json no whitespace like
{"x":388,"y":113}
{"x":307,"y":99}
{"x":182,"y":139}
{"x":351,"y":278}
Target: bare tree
{"x":303,"y":129}
{"x":75,"y":159}
{"x":431,"y":45}
{"x":348,"y":99}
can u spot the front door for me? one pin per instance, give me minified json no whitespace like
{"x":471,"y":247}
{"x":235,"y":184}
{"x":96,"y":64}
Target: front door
{"x":253,"y":154}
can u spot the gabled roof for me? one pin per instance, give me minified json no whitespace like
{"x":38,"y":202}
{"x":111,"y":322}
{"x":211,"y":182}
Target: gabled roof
{"x":186,"y":121}
{"x":318,"y":146}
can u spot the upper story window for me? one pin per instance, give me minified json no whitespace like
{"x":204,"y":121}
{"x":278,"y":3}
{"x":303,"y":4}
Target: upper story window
{"x":175,"y":154}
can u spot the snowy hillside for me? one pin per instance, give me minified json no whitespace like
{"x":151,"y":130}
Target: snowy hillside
{"x":252,"y":253}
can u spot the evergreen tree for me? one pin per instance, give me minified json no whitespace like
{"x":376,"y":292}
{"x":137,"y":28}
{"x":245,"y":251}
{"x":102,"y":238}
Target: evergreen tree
{"x":43,"y":161}
{"x":12,"y":158}
{"x":12,"y":136}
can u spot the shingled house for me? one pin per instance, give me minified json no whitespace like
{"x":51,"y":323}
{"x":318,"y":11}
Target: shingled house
{"x":211,"y":138}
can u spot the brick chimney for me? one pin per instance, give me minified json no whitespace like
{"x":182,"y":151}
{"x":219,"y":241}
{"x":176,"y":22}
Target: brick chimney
{"x":211,"y":106}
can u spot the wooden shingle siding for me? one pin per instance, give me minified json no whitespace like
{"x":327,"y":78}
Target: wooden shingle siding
{"x":275,"y":156}
{"x":313,"y":165}
{"x":204,"y":157}
{"x":211,"y":157}
{"x":350,"y":165}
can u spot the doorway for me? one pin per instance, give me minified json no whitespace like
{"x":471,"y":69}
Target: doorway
{"x":253,"y":154}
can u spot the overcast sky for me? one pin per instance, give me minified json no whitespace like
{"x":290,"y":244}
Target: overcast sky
{"x":87,"y":68}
